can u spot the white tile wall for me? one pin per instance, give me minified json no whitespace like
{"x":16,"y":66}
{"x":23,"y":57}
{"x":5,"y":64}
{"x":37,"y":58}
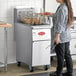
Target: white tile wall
{"x":51,"y":6}
{"x":74,"y":6}
{"x":6,"y":14}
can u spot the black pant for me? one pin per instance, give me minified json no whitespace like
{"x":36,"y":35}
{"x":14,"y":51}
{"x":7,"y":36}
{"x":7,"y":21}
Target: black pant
{"x":63,"y":52}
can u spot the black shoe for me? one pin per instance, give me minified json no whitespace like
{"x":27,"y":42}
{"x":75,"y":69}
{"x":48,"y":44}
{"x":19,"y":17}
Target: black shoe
{"x":66,"y":74}
{"x":53,"y":74}
{"x":69,"y":74}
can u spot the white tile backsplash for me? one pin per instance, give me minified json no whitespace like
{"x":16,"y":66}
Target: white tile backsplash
{"x":6,"y":14}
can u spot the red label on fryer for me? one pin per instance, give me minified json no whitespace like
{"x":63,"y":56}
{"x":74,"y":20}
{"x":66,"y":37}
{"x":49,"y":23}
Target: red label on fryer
{"x":41,"y":33}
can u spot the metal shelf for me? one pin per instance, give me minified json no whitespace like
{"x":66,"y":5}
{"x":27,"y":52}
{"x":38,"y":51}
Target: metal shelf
{"x":4,"y":65}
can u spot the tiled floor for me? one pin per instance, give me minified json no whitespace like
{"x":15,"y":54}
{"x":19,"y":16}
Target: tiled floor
{"x":14,"y":70}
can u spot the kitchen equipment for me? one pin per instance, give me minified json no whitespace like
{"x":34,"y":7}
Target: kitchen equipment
{"x":32,"y":43}
{"x":30,"y":16}
{"x":73,"y":39}
{"x":4,"y":62}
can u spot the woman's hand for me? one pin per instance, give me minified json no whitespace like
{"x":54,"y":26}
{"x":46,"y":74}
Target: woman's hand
{"x":57,"y":39}
{"x":46,"y":13}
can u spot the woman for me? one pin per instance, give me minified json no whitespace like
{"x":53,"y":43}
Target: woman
{"x":62,"y":20}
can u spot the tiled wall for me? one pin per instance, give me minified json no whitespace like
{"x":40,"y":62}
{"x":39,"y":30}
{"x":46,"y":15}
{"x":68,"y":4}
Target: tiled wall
{"x":51,"y":5}
{"x":74,"y":6}
{"x":6,"y":14}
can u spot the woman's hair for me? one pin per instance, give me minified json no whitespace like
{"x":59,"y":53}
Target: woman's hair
{"x":70,"y":12}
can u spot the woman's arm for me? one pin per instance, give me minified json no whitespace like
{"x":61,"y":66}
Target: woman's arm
{"x":46,"y":13}
{"x":60,"y":23}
